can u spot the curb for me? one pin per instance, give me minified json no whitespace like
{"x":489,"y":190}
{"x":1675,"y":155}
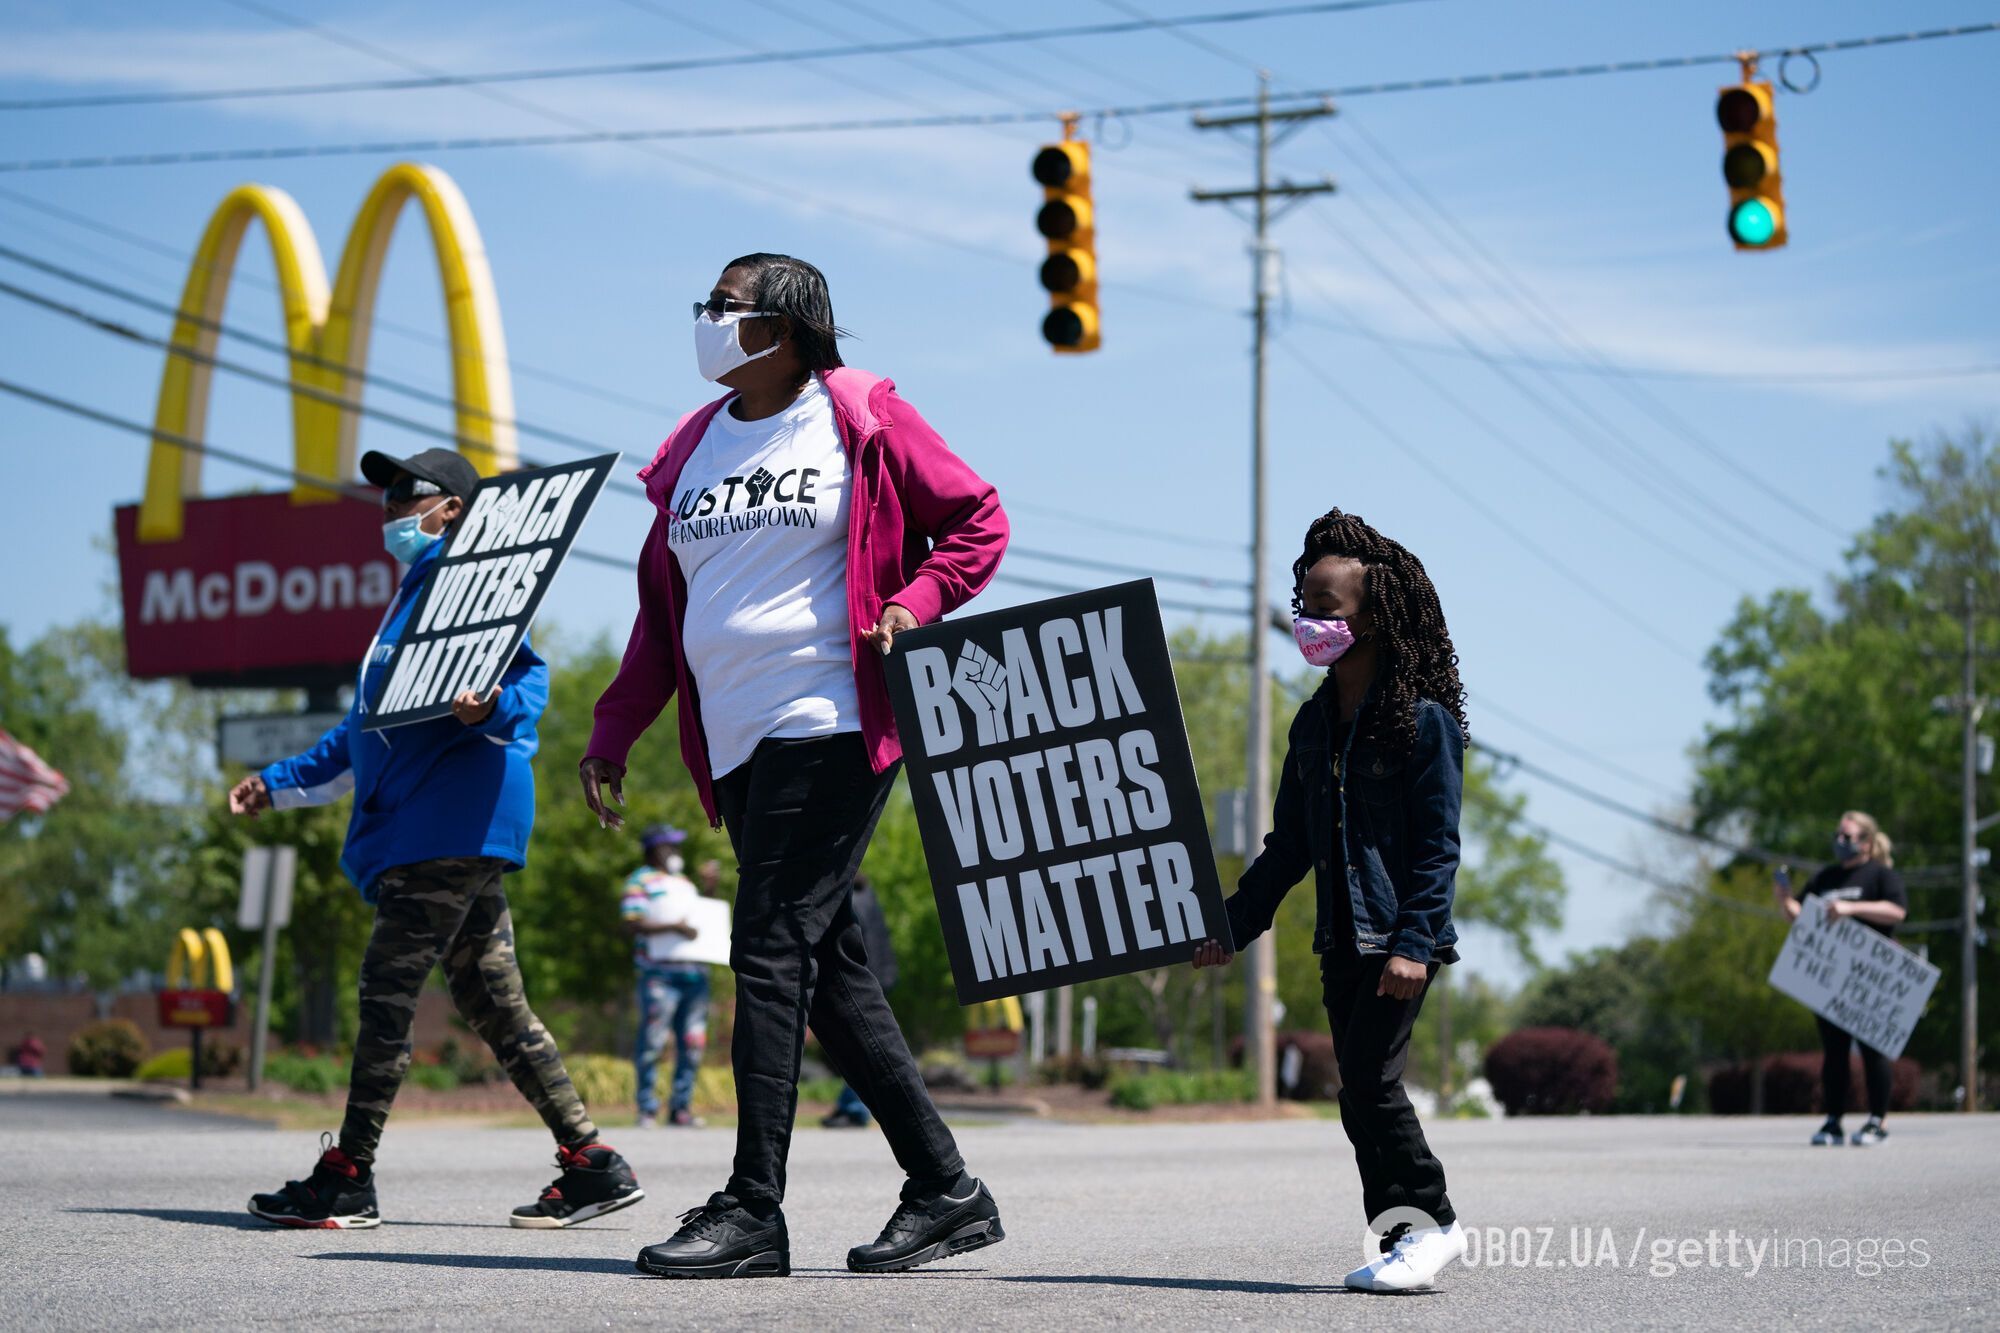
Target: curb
{"x":130,"y":1089}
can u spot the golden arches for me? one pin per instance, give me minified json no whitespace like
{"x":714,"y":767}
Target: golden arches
{"x":328,"y":333}
{"x":200,"y":961}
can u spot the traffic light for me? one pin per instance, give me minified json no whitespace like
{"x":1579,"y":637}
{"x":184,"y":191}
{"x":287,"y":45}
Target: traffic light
{"x":1070,"y":272}
{"x":1750,"y":166}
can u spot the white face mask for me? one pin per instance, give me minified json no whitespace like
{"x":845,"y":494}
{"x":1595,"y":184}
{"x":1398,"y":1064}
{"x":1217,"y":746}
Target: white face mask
{"x":717,"y":351}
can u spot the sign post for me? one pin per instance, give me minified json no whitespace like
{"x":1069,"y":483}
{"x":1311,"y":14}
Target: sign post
{"x":266,"y":902}
{"x":483,"y":592}
{"x":1855,"y":978}
{"x":1055,"y":792}
{"x":200,"y":986}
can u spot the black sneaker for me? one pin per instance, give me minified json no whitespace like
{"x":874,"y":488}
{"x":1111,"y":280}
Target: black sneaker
{"x":721,"y":1239}
{"x":1829,"y":1135}
{"x":595,"y":1180}
{"x":339,"y":1195}
{"x":843,"y":1120}
{"x":937,"y":1228}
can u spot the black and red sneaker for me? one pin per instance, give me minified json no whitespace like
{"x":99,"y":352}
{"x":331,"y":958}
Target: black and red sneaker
{"x":595,"y":1180}
{"x":339,"y":1195}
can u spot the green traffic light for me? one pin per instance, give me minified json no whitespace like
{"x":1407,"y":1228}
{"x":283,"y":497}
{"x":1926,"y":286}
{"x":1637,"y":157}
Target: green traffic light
{"x":1752,"y":222}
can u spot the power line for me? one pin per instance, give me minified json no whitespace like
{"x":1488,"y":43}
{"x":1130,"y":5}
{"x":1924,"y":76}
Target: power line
{"x":360,"y":374}
{"x":467,"y":443}
{"x":1487,"y":705}
{"x":1595,"y":797}
{"x":1510,"y":286}
{"x":617,"y":398}
{"x":181,"y":259}
{"x":348,"y":488}
{"x":1618,"y":608}
{"x":1548,"y":469}
{"x":1628,"y":869}
{"x":689,"y":63}
{"x":597,"y":136}
{"x":365,"y":376}
{"x":1722,"y":524}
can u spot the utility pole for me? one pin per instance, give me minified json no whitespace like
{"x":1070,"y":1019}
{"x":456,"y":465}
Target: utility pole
{"x":1973,"y":707}
{"x":1261,"y":960}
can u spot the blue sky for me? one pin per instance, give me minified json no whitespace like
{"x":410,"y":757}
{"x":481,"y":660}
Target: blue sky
{"x":1600,"y":200}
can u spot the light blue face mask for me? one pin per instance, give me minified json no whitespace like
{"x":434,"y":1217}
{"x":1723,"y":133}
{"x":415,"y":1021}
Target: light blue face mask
{"x":405,"y":538}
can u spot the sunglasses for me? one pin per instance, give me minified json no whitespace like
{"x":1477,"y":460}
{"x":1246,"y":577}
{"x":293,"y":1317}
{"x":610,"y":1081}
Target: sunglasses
{"x":718,"y":306}
{"x":407,"y":488}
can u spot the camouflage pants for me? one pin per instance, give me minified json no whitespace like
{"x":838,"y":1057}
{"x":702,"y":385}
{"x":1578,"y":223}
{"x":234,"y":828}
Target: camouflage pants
{"x":452,"y":909}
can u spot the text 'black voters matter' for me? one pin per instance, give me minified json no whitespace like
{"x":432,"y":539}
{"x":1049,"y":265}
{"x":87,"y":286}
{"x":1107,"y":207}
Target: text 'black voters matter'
{"x":482,"y":594}
{"x":1055,"y":792}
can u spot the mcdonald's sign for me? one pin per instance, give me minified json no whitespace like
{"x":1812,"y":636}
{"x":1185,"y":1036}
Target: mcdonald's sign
{"x":993,"y":1031}
{"x":285,"y":588}
{"x":201,"y":984}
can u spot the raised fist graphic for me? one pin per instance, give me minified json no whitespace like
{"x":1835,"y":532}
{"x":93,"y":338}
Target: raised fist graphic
{"x":981,"y":681}
{"x":759,"y":485}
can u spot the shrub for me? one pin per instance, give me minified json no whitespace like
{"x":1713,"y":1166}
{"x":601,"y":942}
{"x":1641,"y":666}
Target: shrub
{"x":825,"y":1089}
{"x":715,"y":1088}
{"x":437,"y":1078}
{"x":305,"y":1073}
{"x":1143,"y":1092}
{"x":1792,"y":1085}
{"x":219,"y":1059}
{"x":1552,"y":1071}
{"x":111,"y":1048}
{"x":603,"y":1080}
{"x":171,"y":1065}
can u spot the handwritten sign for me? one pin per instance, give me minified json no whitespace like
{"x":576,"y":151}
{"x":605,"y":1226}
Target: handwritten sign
{"x":1855,"y":978}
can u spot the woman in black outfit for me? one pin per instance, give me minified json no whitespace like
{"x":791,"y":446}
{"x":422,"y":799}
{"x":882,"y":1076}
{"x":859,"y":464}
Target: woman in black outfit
{"x":1863,"y":884}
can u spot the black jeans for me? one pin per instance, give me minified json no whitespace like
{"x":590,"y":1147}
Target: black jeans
{"x":1371,"y":1041}
{"x":1835,"y":1043}
{"x":799,"y":814}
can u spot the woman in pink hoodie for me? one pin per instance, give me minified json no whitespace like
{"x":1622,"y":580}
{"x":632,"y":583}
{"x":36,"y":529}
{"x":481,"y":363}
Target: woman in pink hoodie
{"x":805,"y":520}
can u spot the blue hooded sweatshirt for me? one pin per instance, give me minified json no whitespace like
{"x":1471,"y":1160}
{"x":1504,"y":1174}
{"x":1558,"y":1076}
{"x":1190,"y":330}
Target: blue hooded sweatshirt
{"x":428,"y":789}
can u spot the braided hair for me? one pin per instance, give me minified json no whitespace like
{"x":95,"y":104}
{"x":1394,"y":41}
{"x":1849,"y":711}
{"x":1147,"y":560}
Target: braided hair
{"x":1416,"y":659}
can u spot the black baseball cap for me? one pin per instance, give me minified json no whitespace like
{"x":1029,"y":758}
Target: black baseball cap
{"x":447,"y":469}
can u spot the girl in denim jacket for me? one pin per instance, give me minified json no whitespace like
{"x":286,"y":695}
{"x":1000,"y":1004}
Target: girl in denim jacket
{"x":1368,"y":802}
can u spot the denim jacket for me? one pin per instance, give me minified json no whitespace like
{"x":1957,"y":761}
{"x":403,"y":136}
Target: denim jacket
{"x":1399,"y":824}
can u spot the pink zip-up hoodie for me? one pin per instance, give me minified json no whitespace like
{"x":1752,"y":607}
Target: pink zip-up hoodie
{"x":925,"y":532}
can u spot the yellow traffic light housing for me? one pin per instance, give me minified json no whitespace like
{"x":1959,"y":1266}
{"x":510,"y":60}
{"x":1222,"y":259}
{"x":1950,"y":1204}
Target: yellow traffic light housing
{"x":1069,"y":274}
{"x":1750,"y":164}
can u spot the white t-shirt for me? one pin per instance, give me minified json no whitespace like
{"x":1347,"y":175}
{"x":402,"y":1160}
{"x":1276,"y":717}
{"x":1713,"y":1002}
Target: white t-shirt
{"x":759,"y":526}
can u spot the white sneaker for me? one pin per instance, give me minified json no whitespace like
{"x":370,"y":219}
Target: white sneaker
{"x":648,"y":1121}
{"x":1414,"y":1263}
{"x":1870,"y":1135}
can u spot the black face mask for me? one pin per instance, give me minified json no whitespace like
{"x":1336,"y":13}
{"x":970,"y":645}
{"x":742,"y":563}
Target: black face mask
{"x":1845,"y":848}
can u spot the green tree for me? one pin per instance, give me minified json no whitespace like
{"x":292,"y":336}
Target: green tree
{"x":1828,"y":702}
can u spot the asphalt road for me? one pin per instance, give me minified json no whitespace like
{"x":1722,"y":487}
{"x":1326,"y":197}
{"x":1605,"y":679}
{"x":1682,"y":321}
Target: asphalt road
{"x":131,"y":1217}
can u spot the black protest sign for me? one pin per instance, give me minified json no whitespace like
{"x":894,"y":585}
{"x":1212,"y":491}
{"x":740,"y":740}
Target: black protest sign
{"x":482,"y":594}
{"x":1055,"y":792}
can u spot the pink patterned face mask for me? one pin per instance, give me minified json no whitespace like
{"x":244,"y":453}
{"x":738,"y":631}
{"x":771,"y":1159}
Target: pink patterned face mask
{"x":1322,"y":641}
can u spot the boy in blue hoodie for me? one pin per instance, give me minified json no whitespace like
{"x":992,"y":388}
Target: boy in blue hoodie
{"x":442,"y":810}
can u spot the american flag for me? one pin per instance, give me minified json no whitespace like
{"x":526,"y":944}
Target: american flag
{"x":26,"y":782}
